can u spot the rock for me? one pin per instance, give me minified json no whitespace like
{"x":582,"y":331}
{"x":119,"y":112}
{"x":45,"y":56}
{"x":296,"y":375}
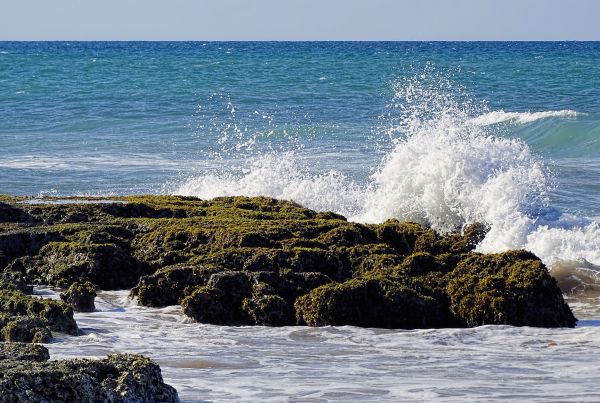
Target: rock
{"x":81,"y":296}
{"x":169,"y":285}
{"x":23,"y":352}
{"x":369,"y":302}
{"x":118,"y":378}
{"x":258,"y":260}
{"x":55,"y":315}
{"x":206,"y":305}
{"x":511,"y":288}
{"x":106,"y":265}
{"x":25,"y":329}
{"x":268,"y":310}
{"x":15,"y":281}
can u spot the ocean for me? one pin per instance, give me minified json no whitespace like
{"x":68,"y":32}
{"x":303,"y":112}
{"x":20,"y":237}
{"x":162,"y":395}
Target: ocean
{"x":442,"y":133}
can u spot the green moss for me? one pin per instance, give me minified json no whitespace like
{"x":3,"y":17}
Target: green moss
{"x":269,"y":310}
{"x":106,"y":265}
{"x":369,"y":302}
{"x":81,"y":296}
{"x":240,"y":255}
{"x":512,"y":288}
{"x":169,"y":285}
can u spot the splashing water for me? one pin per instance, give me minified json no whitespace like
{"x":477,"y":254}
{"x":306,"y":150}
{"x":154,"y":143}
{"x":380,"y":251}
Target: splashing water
{"x":444,"y":168}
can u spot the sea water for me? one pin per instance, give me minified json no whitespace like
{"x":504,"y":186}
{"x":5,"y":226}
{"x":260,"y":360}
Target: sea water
{"x":440,"y":133}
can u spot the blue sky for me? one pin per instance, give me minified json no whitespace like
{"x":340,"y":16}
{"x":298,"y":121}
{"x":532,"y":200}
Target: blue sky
{"x":299,"y":20}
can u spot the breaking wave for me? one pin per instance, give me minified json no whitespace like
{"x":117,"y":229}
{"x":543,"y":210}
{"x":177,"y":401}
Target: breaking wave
{"x":444,"y":168}
{"x":495,"y":117}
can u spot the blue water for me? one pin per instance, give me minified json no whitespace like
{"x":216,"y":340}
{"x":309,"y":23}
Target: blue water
{"x":314,"y":122}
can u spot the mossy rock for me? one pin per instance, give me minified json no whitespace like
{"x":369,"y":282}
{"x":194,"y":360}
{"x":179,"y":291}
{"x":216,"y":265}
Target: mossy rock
{"x":118,"y":378}
{"x":511,"y":288}
{"x":399,"y":235}
{"x":268,"y":310}
{"x":207,"y":305}
{"x":169,"y":285}
{"x":81,"y":296}
{"x":25,"y":329}
{"x":420,"y":263}
{"x":105,"y":265}
{"x":15,"y":281}
{"x":349,"y":234}
{"x":56,"y":315}
{"x":244,"y":258}
{"x":369,"y":302}
{"x":362,"y":259}
{"x":23,"y":352}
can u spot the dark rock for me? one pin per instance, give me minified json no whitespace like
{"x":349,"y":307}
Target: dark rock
{"x":118,"y":378}
{"x":268,"y":310}
{"x":206,"y":305}
{"x":23,"y":352}
{"x":105,"y":265}
{"x":56,"y":315}
{"x":369,"y":302}
{"x":511,"y":288}
{"x":15,"y":281}
{"x":167,"y":286}
{"x":258,"y":260}
{"x":25,"y":329}
{"x":81,"y":296}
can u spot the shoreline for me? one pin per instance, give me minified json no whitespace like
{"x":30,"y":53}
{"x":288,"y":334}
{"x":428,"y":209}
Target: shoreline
{"x":240,"y":261}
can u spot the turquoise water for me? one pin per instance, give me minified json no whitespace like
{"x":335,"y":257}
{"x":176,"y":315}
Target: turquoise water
{"x":440,"y":133}
{"x":133,"y":117}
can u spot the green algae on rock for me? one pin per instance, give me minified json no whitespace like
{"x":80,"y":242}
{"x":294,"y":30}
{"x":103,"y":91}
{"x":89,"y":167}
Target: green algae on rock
{"x":118,"y":378}
{"x":243,"y":260}
{"x":81,"y":296}
{"x":30,"y":319}
{"x":23,"y":352}
{"x":511,"y":288}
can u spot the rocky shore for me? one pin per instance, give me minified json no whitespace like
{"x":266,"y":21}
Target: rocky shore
{"x":241,"y":261}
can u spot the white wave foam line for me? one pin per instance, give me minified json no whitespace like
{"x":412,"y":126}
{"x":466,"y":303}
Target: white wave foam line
{"x":495,"y":117}
{"x":280,"y":176}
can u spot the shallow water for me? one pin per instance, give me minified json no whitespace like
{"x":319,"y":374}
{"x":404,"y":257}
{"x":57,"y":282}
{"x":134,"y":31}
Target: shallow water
{"x":221,"y":363}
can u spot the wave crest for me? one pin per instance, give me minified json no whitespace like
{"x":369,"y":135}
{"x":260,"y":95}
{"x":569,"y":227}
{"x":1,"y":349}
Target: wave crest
{"x":495,"y":117}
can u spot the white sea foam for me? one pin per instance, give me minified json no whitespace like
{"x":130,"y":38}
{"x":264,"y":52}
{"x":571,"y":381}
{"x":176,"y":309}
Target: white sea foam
{"x":445,"y":169}
{"x":256,"y":363}
{"x":501,"y":116}
{"x":87,"y":162}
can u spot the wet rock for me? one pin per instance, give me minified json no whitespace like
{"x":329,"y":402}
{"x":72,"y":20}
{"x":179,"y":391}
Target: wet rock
{"x":511,"y":288}
{"x":207,"y":305}
{"x":56,"y":315}
{"x":81,"y":296}
{"x":15,"y":281}
{"x":23,"y":352}
{"x":118,"y":378}
{"x":258,"y":260}
{"x":25,"y":329}
{"x":399,"y":235}
{"x":169,"y":285}
{"x":105,"y":265}
{"x":369,"y":302}
{"x":268,"y":310}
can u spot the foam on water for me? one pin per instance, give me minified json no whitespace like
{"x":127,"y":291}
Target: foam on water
{"x":229,"y":363}
{"x":495,"y":117}
{"x":444,"y":169}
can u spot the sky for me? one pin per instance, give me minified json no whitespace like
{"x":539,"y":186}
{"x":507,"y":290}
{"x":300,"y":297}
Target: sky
{"x":299,"y":20}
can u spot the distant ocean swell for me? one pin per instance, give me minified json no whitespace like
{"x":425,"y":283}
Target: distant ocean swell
{"x":445,"y":169}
